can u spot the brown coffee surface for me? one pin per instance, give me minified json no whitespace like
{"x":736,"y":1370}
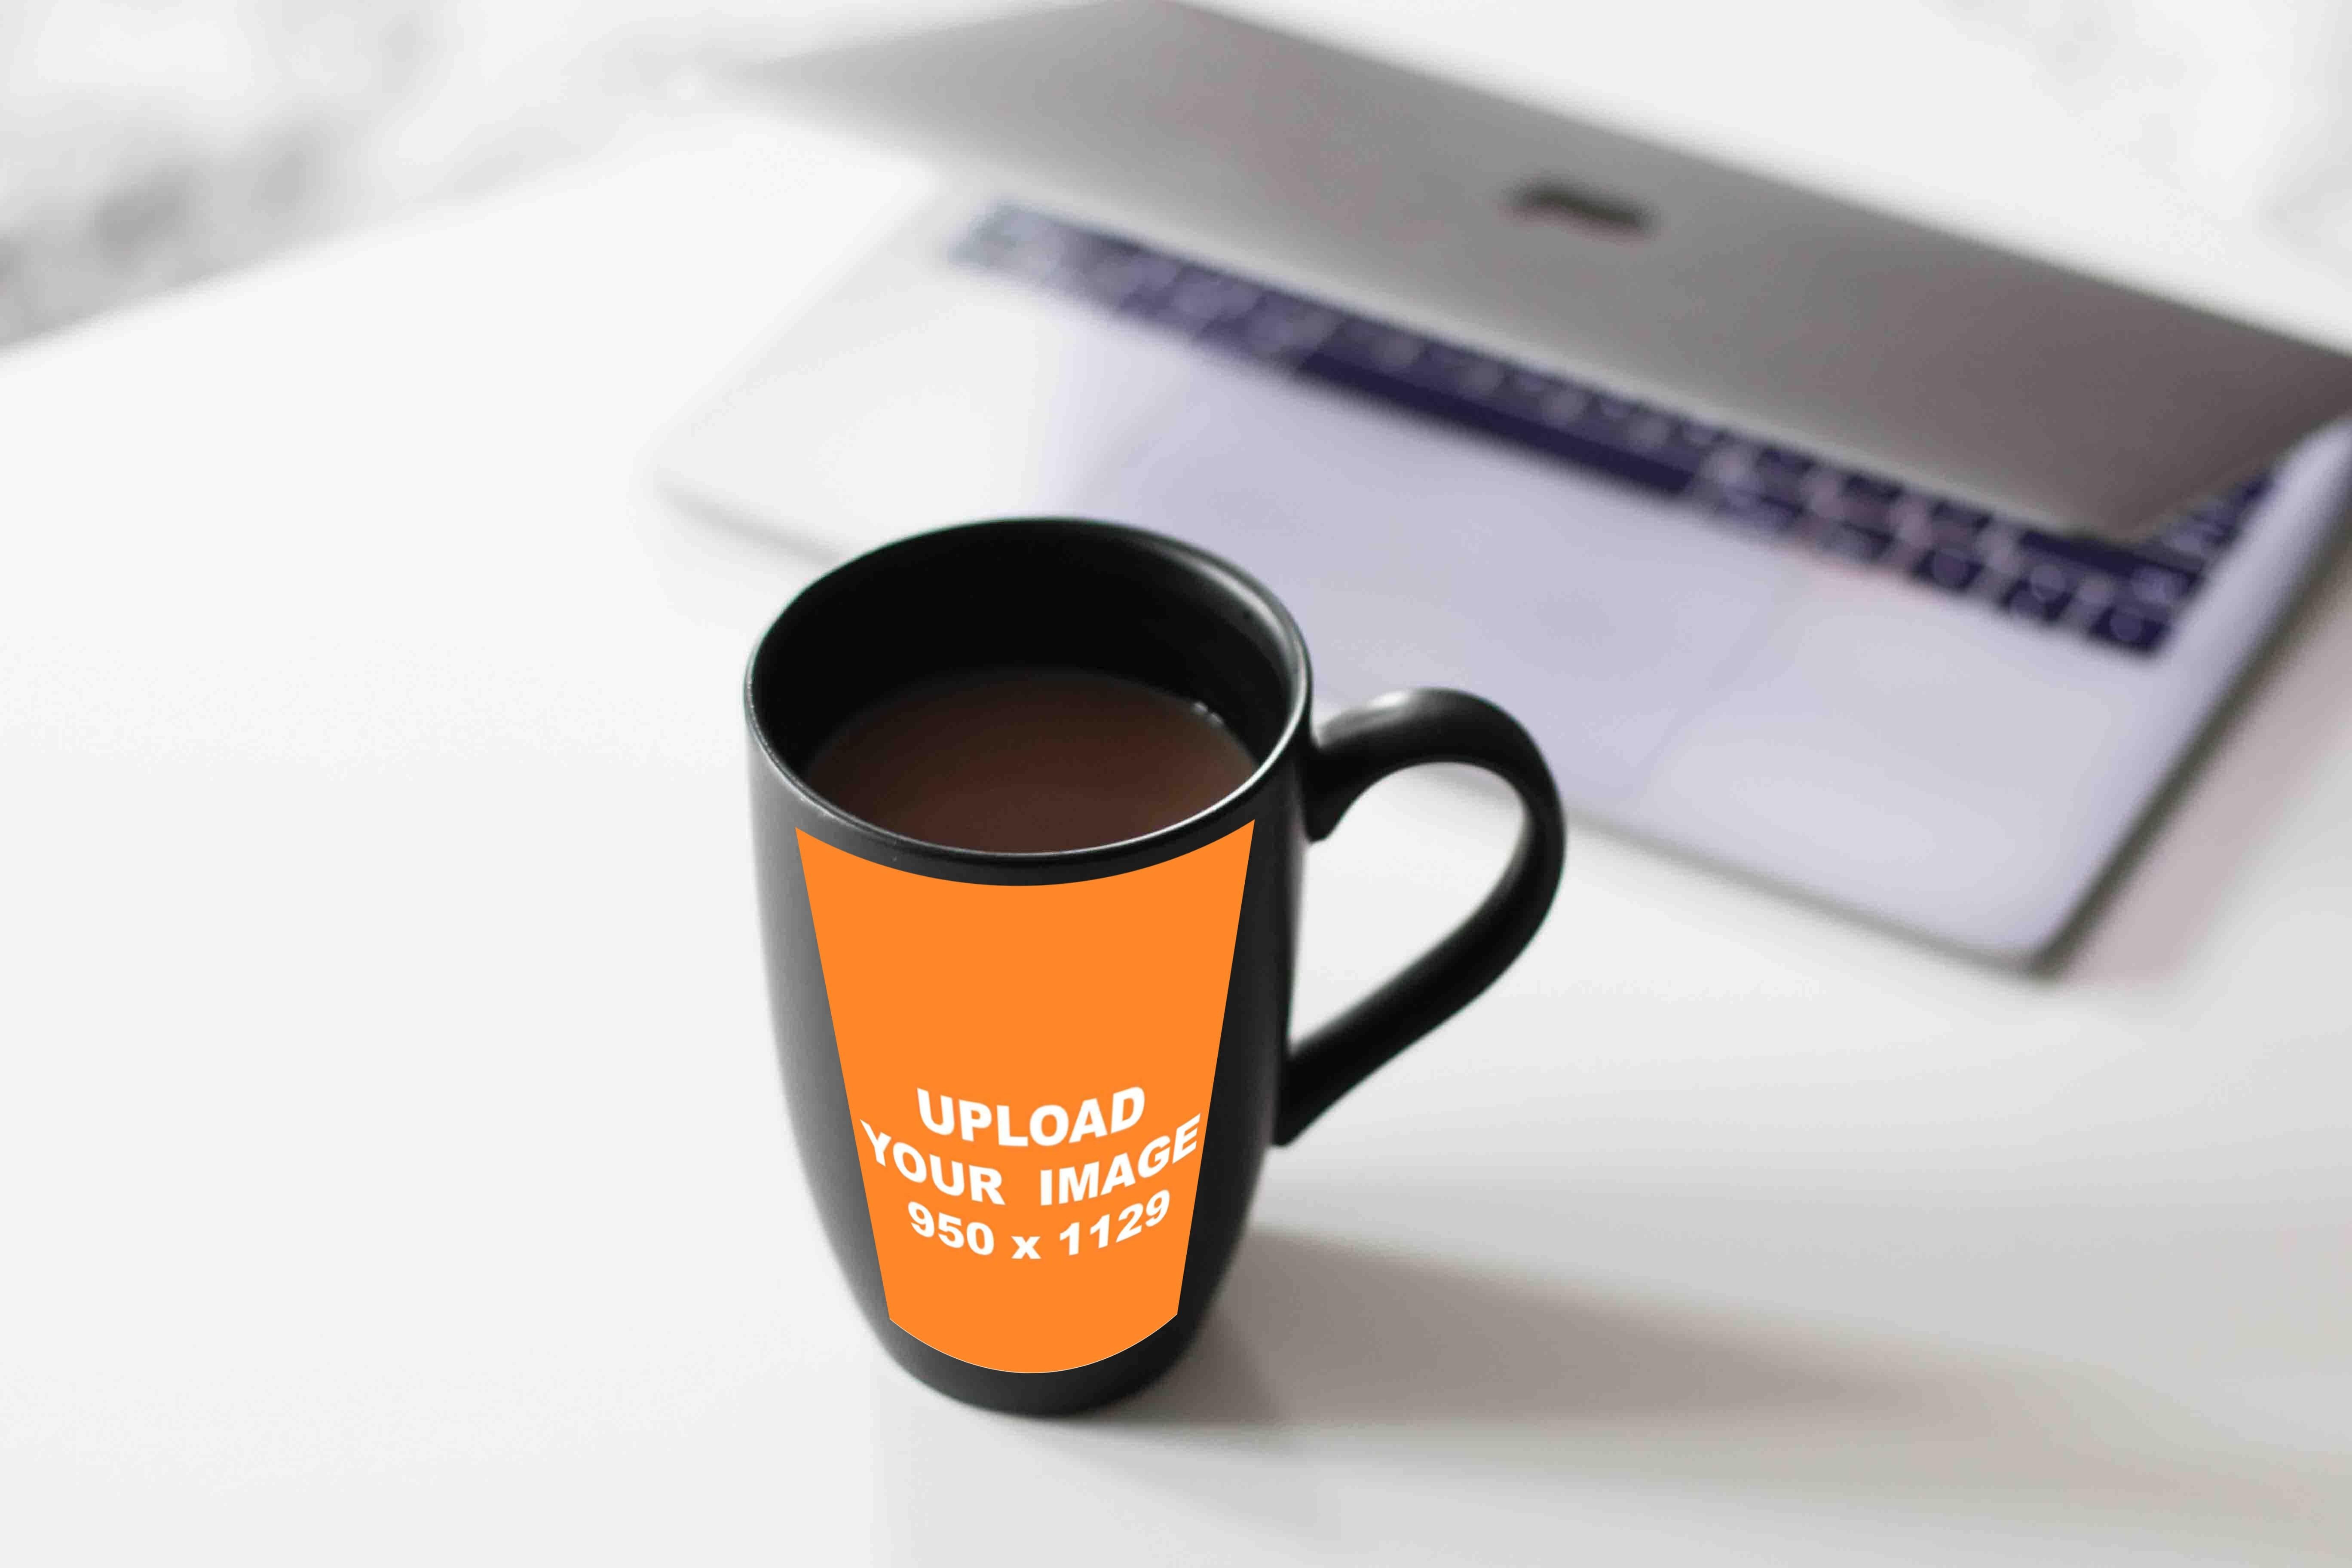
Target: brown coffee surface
{"x":1028,"y":759}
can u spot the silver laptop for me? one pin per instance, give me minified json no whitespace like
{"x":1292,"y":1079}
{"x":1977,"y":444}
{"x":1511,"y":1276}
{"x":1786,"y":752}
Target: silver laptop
{"x":1895,"y":568}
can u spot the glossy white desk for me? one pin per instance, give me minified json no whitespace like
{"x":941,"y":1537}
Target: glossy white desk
{"x":391,"y":1164}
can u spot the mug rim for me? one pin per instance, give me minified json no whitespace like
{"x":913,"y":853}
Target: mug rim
{"x":1227,"y":579}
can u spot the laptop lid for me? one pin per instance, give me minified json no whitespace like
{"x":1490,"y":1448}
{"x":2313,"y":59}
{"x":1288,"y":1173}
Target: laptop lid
{"x":2074,"y":402}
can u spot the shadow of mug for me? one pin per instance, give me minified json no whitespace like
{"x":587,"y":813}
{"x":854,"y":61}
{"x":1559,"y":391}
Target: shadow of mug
{"x":1343,"y":1392}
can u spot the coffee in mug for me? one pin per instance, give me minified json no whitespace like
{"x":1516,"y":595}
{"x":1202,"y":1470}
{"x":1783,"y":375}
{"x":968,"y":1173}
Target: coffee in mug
{"x":1029,"y":759}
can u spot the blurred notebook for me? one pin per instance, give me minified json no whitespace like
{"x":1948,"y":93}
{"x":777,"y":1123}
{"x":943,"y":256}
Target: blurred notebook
{"x":1832,"y":673}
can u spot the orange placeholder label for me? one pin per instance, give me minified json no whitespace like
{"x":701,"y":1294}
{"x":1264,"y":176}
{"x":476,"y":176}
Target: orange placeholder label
{"x":1028,"y":1071}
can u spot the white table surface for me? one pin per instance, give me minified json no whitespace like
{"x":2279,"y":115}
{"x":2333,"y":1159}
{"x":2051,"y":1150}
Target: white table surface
{"x":392,"y":1166}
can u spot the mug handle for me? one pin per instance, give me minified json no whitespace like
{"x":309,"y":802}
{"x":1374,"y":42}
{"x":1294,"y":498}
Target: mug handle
{"x":1347,"y":757}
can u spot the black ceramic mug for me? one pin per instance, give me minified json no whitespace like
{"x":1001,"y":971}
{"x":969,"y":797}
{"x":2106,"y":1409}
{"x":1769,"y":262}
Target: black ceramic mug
{"x":1032,"y":1091}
